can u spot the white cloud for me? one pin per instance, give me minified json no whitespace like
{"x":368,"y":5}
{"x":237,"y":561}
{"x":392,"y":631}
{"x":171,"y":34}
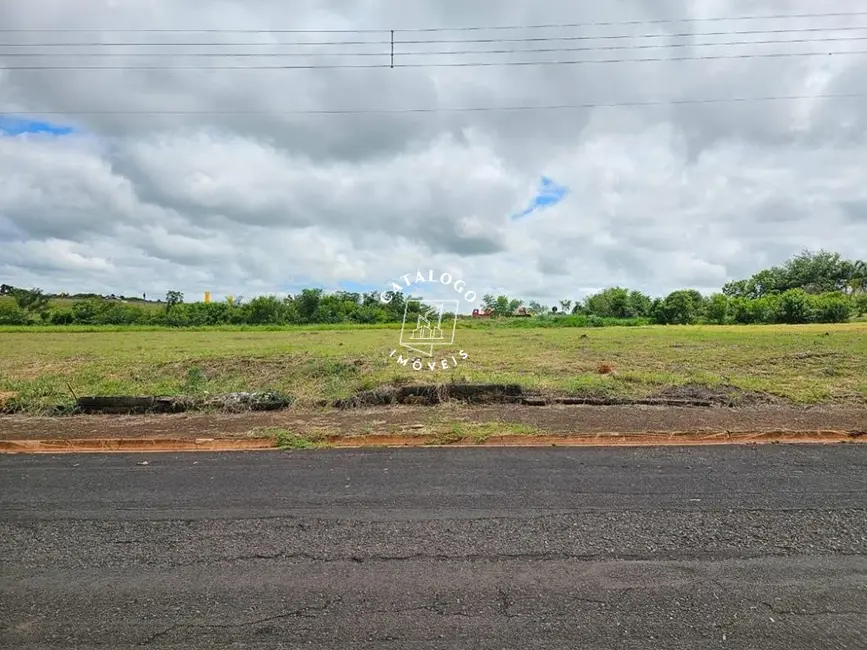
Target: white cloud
{"x":660,"y":198}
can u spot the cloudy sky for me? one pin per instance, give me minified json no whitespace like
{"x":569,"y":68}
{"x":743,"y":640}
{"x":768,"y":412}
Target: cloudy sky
{"x":119,"y":180}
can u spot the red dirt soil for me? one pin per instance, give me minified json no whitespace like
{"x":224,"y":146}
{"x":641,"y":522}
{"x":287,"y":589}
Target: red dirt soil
{"x":413,"y":420}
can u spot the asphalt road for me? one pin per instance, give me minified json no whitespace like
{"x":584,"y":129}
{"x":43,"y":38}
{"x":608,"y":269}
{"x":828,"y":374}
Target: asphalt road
{"x":715,"y":547}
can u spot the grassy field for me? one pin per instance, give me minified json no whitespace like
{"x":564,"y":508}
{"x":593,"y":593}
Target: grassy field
{"x":807,"y":363}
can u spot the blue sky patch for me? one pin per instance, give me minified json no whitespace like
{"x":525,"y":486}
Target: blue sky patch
{"x":548,"y":194}
{"x":10,"y":125}
{"x":358,"y":287}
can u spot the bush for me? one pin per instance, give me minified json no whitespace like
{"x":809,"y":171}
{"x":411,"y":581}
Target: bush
{"x":831,"y":308}
{"x":794,"y":307}
{"x":62,"y":317}
{"x":84,"y":312}
{"x":679,"y":308}
{"x":745,"y":311}
{"x":11,"y":314}
{"x":717,"y":309}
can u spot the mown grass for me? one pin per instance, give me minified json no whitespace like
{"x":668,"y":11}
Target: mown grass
{"x":42,"y":367}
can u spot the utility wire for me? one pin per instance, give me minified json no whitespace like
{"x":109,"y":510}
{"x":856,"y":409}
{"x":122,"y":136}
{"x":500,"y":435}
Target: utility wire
{"x":663,"y":21}
{"x":454,"y":64}
{"x":466,"y":109}
{"x":746,"y":32}
{"x":433,"y":52}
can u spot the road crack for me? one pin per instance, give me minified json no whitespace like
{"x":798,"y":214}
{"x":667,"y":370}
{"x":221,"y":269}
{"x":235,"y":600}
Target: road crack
{"x":310,"y":611}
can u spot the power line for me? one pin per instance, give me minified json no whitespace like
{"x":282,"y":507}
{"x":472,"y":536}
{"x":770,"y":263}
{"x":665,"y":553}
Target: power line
{"x":465,"y":109}
{"x":662,"y":21}
{"x":794,"y":30}
{"x":454,"y":64}
{"x":437,"y":52}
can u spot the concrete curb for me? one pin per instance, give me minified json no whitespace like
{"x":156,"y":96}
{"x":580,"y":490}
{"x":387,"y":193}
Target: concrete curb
{"x":129,"y":445}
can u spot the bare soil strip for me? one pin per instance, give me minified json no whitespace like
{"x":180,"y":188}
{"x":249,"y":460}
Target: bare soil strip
{"x":447,"y":425}
{"x":127,"y":445}
{"x":415,"y":420}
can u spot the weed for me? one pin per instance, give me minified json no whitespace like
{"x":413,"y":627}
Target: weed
{"x":287,"y":440}
{"x":196,"y":381}
{"x":455,"y":434}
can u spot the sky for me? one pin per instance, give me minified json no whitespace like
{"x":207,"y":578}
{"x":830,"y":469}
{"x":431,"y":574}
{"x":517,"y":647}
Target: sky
{"x":638,"y":186}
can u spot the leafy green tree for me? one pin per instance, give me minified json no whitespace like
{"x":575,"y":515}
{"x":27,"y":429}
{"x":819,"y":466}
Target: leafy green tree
{"x":31,"y":301}
{"x":639,"y":304}
{"x":11,"y":314}
{"x":307,"y":303}
{"x":264,"y":310}
{"x":814,"y":272}
{"x":84,"y":312}
{"x":817,"y":272}
{"x":173,"y":299}
{"x":794,"y":307}
{"x":858,"y":278}
{"x":501,"y":305}
{"x":717,"y":309}
{"x":608,"y":303}
{"x":680,"y":308}
{"x":831,"y":308}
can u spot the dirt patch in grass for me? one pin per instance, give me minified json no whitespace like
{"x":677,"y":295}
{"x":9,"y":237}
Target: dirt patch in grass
{"x":434,"y":394}
{"x":722,"y":395}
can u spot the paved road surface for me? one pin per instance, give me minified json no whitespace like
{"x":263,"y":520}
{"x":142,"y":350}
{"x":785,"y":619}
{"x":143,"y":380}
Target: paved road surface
{"x":691,"y":548}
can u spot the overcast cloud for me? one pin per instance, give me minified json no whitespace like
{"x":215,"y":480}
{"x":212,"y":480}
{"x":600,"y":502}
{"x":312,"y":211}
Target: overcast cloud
{"x":540,"y":204}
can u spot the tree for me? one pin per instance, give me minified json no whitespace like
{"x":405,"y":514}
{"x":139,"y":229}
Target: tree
{"x":307,"y":302}
{"x":680,"y":308}
{"x":537,"y":308}
{"x":812,"y":271}
{"x":639,"y":304}
{"x":832,"y":308}
{"x":6,"y":289}
{"x":613,"y":302}
{"x":173,"y":299}
{"x":501,"y":305}
{"x":817,"y":272}
{"x":32,"y":301}
{"x":565,"y":306}
{"x":718,"y":309}
{"x":264,"y":310}
{"x":858,"y":278}
{"x":794,"y":307}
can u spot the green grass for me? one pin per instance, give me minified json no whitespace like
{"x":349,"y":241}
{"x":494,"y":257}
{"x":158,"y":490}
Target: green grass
{"x":479,"y":432}
{"x":287,"y":440}
{"x":799,"y":362}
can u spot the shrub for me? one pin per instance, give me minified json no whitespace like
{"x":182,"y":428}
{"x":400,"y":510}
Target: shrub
{"x":831,"y":308}
{"x":718,"y":309}
{"x":11,"y":314}
{"x":794,"y":307}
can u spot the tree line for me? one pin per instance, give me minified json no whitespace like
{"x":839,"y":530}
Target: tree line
{"x":812,"y":287}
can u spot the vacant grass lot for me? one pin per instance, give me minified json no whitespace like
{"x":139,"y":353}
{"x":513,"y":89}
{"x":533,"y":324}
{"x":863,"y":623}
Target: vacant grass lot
{"x":807,"y":364}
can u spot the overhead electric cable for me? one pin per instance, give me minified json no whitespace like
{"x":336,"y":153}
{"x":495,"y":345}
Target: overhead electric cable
{"x":530,"y":39}
{"x":446,"y":109}
{"x":273,"y":55}
{"x":660,"y":21}
{"x":452,"y":64}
